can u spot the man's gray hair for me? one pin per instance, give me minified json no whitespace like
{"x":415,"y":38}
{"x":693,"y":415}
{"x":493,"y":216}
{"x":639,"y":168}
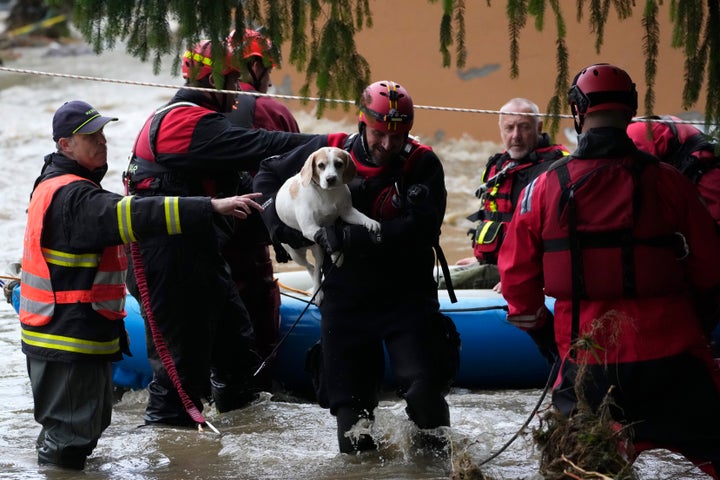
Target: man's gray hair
{"x":520,"y":105}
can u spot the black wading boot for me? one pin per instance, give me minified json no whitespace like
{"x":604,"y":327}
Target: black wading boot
{"x":347,"y":417}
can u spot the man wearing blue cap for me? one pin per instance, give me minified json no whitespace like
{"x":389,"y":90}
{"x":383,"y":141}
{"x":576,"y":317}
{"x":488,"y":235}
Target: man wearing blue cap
{"x":73,"y":280}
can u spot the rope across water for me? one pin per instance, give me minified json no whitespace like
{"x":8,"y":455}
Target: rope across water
{"x":287,"y":97}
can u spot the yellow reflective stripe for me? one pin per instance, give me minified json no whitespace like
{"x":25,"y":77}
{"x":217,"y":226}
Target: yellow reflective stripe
{"x":172,"y":215}
{"x":64,"y":259}
{"x":69,"y":344}
{"x":484,"y":175}
{"x":85,"y":123}
{"x":124,"y":215}
{"x":198,"y":58}
{"x":483,"y":232}
{"x":492,"y":203}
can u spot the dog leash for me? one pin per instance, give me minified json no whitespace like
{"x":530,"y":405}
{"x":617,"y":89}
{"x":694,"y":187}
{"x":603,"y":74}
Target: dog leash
{"x":275,"y":349}
{"x":548,"y":384}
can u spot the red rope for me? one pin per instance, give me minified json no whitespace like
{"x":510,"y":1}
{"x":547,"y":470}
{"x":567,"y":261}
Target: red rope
{"x":160,"y":345}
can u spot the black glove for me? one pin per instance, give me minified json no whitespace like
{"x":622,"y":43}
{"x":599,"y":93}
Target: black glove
{"x":544,"y":338}
{"x":281,"y":255}
{"x":355,"y":237}
{"x":330,"y":239}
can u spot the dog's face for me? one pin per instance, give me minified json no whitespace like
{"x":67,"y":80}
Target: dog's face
{"x":328,"y":167}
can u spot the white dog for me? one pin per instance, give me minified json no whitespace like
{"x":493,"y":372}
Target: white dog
{"x":315,"y":198}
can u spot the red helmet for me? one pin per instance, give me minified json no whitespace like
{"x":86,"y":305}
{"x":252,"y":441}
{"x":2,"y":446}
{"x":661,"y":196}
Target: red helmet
{"x":197,"y":63}
{"x":255,"y":44}
{"x":602,"y":87}
{"x":386,"y":106}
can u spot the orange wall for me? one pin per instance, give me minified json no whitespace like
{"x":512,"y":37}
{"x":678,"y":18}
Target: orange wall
{"x":403,"y":46}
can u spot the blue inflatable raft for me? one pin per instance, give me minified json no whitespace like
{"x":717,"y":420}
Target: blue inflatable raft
{"x":494,"y":353}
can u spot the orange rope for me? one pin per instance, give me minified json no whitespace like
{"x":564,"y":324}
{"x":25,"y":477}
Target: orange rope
{"x":291,"y":289}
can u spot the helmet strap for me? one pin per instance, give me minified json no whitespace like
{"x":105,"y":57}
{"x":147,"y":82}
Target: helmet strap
{"x":256,"y":80}
{"x":216,"y":99}
{"x":362,"y":129}
{"x":578,"y":119}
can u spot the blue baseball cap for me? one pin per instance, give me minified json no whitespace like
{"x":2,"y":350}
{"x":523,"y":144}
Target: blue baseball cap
{"x":77,"y":117}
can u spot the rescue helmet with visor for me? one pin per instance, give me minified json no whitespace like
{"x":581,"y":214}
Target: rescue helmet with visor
{"x":386,"y":106}
{"x":601,"y":87}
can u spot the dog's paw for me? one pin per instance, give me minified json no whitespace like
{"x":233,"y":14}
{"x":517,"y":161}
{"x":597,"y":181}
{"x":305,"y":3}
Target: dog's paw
{"x":372,"y":225}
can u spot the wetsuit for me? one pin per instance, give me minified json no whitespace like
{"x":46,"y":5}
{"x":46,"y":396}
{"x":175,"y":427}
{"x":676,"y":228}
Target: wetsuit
{"x":385,"y":292}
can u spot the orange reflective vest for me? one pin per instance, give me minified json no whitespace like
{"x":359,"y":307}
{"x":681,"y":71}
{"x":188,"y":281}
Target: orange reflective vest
{"x":39,"y":296}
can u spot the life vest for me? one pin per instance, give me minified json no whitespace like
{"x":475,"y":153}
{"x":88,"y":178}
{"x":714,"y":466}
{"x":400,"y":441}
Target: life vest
{"x":503,"y":180}
{"x":608,"y":240}
{"x":144,"y":174}
{"x":39,"y":295}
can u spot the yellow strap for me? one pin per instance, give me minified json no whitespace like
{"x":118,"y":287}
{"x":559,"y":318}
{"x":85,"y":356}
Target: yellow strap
{"x":34,"y":26}
{"x":124,"y":216}
{"x":65,"y":259}
{"x":172,"y":215}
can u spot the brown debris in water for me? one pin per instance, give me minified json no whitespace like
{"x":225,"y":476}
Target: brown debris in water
{"x":589,"y":445}
{"x":465,"y":468}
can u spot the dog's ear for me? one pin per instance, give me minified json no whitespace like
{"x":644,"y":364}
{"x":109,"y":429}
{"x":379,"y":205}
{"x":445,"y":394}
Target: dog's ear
{"x":350,"y":170}
{"x":308,"y":169}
